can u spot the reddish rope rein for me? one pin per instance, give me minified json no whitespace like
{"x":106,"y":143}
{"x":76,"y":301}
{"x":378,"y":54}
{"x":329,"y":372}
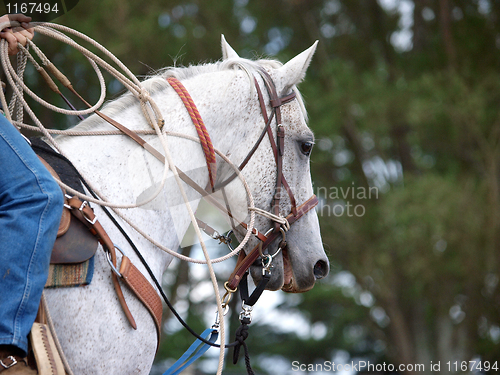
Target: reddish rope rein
{"x":206,"y":142}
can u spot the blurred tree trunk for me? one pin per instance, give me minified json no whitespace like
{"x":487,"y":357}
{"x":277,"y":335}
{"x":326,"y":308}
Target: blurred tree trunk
{"x":445,"y":24}
{"x":404,"y":352}
{"x":419,"y":30}
{"x":422,"y":333}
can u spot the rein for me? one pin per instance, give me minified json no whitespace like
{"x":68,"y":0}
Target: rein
{"x":206,"y":142}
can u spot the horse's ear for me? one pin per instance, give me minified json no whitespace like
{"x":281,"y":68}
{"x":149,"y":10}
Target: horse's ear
{"x":227,"y":51}
{"x":294,"y":70}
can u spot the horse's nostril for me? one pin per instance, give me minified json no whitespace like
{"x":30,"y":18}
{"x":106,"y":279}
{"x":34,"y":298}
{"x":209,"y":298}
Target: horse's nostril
{"x":320,"y":269}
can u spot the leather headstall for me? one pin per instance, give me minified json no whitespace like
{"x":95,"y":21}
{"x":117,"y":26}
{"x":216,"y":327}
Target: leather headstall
{"x":245,"y":262}
{"x":278,"y":148}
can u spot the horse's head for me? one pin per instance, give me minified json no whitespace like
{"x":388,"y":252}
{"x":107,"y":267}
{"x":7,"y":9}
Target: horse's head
{"x":303,"y":260}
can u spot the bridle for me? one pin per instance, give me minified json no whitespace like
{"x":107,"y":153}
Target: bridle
{"x":278,"y":148}
{"x":281,"y":224}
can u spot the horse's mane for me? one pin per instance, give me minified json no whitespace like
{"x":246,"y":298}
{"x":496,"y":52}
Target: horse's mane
{"x":158,"y":82}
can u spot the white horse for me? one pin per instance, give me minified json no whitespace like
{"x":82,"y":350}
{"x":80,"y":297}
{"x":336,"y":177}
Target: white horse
{"x":94,"y":333}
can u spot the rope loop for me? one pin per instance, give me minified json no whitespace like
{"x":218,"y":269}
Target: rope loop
{"x":277,"y":218}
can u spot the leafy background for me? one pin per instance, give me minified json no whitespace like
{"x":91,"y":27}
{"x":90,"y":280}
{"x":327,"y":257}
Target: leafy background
{"x":403,"y":96}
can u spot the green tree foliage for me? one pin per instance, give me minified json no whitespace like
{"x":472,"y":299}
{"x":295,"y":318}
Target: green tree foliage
{"x":403,"y":98}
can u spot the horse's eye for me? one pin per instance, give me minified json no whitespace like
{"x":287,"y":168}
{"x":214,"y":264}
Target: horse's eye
{"x":306,"y":148}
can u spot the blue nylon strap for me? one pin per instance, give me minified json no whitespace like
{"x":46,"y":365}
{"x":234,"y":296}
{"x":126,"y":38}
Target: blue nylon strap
{"x":195,"y":350}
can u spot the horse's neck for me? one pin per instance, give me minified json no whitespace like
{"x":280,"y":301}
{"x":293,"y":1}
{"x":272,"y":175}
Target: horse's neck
{"x":122,"y":171}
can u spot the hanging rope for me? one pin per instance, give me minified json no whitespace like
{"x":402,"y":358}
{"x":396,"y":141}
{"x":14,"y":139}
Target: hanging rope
{"x":240,"y":337}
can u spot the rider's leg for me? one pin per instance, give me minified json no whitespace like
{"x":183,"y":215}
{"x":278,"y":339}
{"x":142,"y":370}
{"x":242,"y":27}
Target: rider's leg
{"x":30,"y":210}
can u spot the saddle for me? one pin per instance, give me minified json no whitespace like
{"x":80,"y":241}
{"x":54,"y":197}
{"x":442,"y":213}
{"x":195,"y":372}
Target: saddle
{"x":75,"y":244}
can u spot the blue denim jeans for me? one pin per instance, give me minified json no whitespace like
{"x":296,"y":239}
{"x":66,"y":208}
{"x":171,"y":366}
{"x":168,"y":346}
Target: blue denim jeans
{"x":30,"y":210}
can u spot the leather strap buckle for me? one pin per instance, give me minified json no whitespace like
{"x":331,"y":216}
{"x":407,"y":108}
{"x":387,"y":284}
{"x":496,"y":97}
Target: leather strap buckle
{"x":86,"y":214}
{"x":13,"y":361}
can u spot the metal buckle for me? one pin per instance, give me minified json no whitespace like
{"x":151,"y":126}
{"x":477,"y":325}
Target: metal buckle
{"x":14,"y":362}
{"x":216,"y":324}
{"x":228,"y":295}
{"x":226,"y":239}
{"x":85,"y":203}
{"x":267,"y":264}
{"x":68,"y":197}
{"x":216,"y":236}
{"x":268,"y":258}
{"x":113,"y":268}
